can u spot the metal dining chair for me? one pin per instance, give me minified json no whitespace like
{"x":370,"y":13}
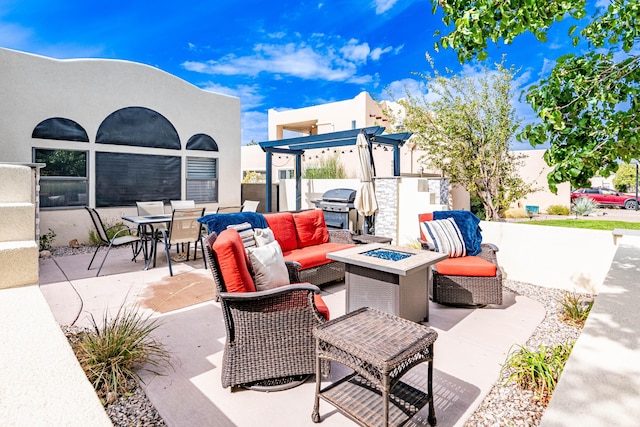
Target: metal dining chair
{"x":182,"y":204}
{"x":250,"y":206}
{"x":122,"y":236}
{"x":184,"y":228}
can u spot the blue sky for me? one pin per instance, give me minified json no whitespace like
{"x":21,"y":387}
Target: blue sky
{"x":280,"y":55}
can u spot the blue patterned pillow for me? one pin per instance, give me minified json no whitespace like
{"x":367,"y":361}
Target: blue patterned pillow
{"x":445,"y":236}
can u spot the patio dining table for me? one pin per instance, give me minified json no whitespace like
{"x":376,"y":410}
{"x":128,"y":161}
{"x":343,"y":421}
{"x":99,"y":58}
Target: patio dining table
{"x":146,"y":225}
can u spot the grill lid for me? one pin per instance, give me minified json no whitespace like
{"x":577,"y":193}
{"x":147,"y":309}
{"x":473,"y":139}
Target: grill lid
{"x":341,"y":195}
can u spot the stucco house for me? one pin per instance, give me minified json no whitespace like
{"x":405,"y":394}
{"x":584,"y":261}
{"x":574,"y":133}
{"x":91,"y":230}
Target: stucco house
{"x":112,"y":133}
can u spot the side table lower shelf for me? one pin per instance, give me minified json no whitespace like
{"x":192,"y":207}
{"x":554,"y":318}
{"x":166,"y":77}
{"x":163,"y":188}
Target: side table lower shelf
{"x":358,"y":399}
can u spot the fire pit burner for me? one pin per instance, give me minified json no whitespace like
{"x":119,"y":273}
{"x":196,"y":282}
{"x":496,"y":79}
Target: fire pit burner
{"x":387,"y":254}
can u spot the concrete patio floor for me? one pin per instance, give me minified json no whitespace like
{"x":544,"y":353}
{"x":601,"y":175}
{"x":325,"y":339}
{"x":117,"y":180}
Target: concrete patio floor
{"x":471,"y":346}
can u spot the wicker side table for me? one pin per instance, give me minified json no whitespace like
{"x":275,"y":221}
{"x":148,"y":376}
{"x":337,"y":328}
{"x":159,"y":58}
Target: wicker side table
{"x":380,"y":348}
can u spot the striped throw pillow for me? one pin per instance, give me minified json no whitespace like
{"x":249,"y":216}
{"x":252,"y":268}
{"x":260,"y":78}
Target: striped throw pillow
{"x":445,"y":236}
{"x":246,"y":233}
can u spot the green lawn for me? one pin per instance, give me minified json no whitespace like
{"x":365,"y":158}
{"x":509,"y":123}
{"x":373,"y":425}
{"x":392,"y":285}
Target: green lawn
{"x":592,"y":224}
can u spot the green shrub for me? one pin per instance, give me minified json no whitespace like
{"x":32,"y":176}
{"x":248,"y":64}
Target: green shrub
{"x":558,"y":210}
{"x":110,"y":355}
{"x":112,"y":225}
{"x":576,"y":308}
{"x":46,"y":240}
{"x":538,"y":371}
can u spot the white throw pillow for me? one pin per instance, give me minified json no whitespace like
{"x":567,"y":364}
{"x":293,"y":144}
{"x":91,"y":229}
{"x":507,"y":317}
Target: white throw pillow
{"x":268,"y":265}
{"x":263,"y":236}
{"x":246,"y":233}
{"x":445,"y":236}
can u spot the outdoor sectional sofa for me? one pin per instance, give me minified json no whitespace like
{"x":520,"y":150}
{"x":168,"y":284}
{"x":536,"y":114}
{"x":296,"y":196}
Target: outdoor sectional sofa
{"x":303,"y":237}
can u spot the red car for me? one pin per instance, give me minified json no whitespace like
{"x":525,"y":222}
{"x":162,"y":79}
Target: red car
{"x":606,"y":197}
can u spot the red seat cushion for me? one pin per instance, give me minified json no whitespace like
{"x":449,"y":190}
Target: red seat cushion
{"x":284,"y":230}
{"x":233,"y":262}
{"x":468,"y":266}
{"x":321,"y":306}
{"x":310,"y":228}
{"x":313,"y":256}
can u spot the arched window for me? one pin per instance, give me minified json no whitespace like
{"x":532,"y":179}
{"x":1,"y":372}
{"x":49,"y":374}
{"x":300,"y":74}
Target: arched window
{"x":138,"y":126}
{"x":203,"y":142}
{"x":61,"y":129}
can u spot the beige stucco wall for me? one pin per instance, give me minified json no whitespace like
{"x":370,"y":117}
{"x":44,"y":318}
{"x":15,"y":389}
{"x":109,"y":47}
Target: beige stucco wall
{"x":535,"y":172}
{"x":34,"y":88}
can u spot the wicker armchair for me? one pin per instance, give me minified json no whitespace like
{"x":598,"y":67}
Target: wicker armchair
{"x":270,"y":339}
{"x":470,"y":290}
{"x":466,"y":289}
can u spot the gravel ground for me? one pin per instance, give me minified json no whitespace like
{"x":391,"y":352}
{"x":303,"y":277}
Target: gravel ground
{"x":508,"y":404}
{"x":505,"y":405}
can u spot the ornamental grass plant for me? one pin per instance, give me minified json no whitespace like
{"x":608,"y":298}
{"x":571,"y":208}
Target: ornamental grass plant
{"x":538,"y":371}
{"x":110,"y":354}
{"x":576,"y":308}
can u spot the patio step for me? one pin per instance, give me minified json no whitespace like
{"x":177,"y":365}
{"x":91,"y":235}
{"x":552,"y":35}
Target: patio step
{"x":19,"y":263}
{"x":16,"y":221}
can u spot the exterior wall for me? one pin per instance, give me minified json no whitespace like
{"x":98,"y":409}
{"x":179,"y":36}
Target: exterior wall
{"x":34,"y":88}
{"x":555,"y":257}
{"x":535,"y":171}
{"x":325,"y":118}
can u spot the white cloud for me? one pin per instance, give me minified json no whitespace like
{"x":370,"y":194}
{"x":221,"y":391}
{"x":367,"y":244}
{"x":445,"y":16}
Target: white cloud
{"x":249,"y":95}
{"x":254,"y":127}
{"x":383,"y":5}
{"x":378,"y":52}
{"x":398,"y":89}
{"x":305,"y":60}
{"x":355,"y":52}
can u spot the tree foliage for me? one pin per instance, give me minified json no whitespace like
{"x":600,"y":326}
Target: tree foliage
{"x":587,"y":106}
{"x":625,"y":179}
{"x":466,"y":127}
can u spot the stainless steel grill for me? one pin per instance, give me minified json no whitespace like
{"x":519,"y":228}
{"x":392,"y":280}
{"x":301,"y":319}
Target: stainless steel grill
{"x":338,"y":208}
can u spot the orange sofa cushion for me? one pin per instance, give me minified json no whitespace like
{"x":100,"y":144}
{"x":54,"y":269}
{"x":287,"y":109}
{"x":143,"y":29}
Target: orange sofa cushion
{"x":321,"y":306}
{"x":284,"y":230}
{"x":233,"y":262}
{"x":466,"y":266}
{"x":310,"y":228}
{"x":313,"y":256}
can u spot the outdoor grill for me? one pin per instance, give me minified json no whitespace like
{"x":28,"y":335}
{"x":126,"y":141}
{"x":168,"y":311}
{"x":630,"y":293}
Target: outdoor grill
{"x":339,"y":212}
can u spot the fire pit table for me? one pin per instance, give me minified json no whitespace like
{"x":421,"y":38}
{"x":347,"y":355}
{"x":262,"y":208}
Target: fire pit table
{"x":390,"y":278}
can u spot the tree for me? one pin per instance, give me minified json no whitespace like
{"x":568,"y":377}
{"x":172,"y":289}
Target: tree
{"x":625,"y":179}
{"x":587,"y":106}
{"x":467,"y":131}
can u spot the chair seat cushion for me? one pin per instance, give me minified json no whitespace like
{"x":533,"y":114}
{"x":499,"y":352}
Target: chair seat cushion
{"x":233,"y":262}
{"x":313,"y":256}
{"x":469,"y":266}
{"x":321,"y":306}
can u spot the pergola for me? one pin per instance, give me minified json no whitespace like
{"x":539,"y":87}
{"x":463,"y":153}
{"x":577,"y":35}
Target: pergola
{"x":297,"y":147}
